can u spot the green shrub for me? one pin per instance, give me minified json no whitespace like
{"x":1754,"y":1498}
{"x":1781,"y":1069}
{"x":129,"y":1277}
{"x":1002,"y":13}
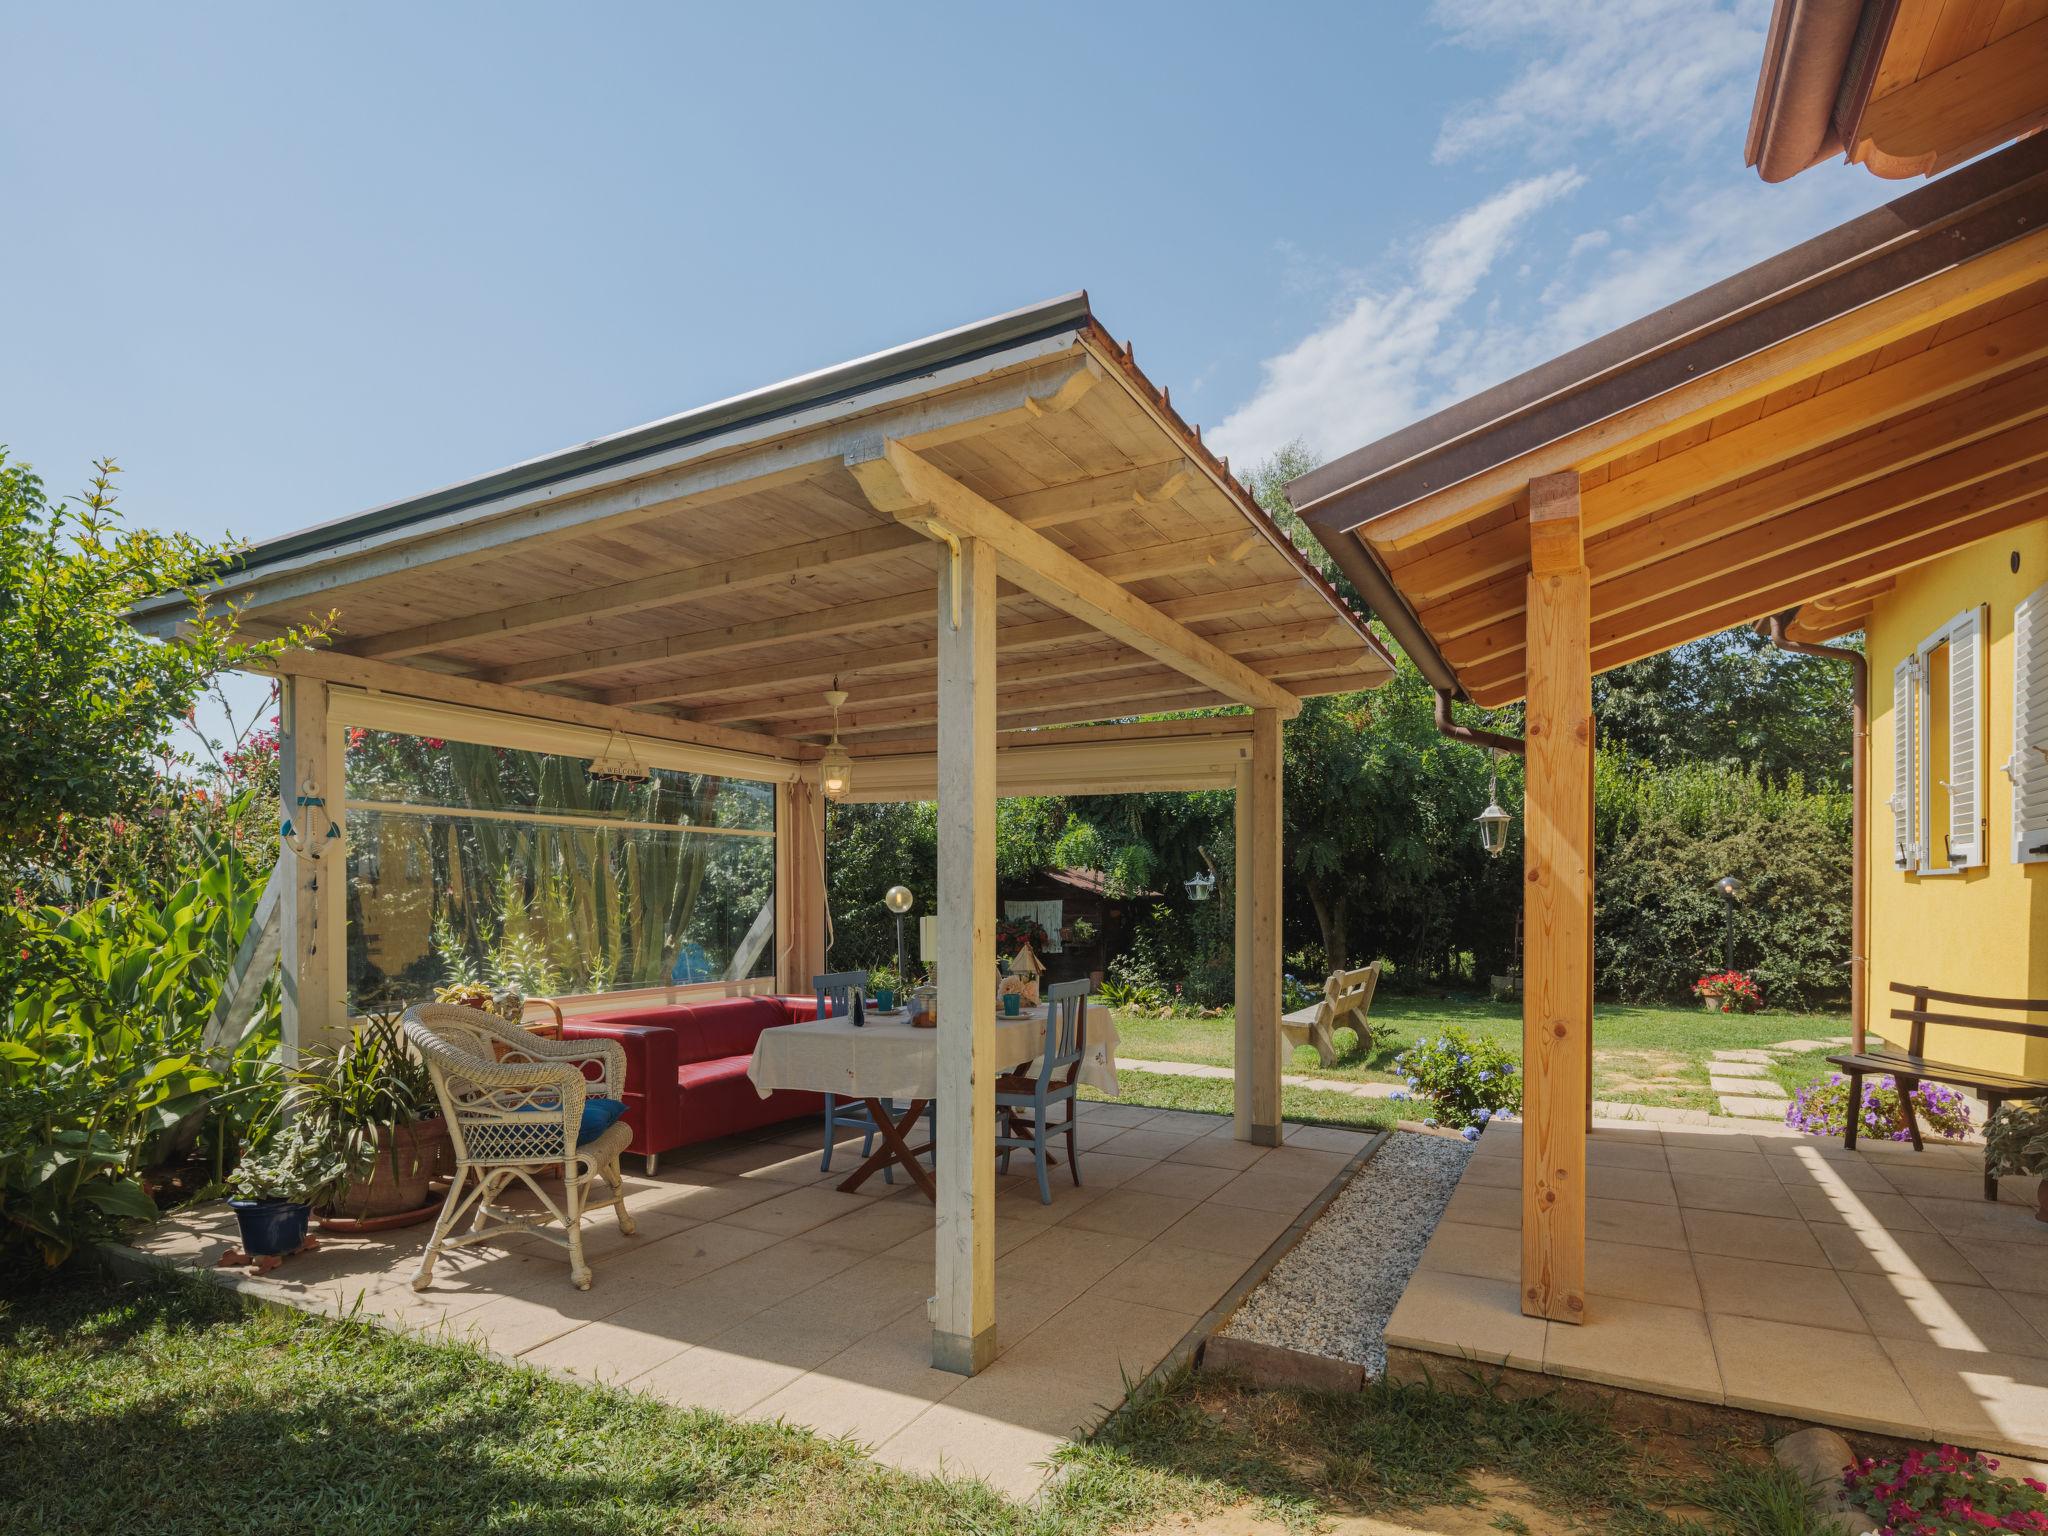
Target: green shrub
{"x":2016,"y":1138}
{"x":1662,"y":839}
{"x":102,"y":1068}
{"x":1466,"y":1081}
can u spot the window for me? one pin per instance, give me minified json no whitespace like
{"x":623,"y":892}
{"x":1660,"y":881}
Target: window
{"x":1938,"y":750}
{"x":2028,"y":765}
{"x":475,"y":862}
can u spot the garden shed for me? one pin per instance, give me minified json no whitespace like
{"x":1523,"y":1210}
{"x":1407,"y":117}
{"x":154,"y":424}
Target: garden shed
{"x":993,"y":548}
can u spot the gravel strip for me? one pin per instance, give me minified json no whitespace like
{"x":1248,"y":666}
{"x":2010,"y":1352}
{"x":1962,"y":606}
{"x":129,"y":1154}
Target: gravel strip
{"x":1332,"y":1295}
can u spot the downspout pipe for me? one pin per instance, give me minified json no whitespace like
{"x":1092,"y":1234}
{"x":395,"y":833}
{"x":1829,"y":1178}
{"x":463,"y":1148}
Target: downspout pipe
{"x":1472,"y":735}
{"x":1859,"y":767}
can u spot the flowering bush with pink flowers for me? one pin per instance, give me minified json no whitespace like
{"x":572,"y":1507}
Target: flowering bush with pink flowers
{"x":1942,"y":1492}
{"x":1822,"y":1109}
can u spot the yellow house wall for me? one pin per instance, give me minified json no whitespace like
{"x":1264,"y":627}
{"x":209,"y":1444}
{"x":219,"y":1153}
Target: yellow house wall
{"x":1983,"y":930}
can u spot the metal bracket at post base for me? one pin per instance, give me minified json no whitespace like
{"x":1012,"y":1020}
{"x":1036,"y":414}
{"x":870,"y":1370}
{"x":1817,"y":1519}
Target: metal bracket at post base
{"x":961,"y":1354}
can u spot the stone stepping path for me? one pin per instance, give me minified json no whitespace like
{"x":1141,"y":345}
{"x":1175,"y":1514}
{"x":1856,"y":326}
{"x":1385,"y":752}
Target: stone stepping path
{"x":1742,"y":1078}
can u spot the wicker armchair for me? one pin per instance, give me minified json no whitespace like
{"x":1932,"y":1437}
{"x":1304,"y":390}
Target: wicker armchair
{"x":514,"y":1103}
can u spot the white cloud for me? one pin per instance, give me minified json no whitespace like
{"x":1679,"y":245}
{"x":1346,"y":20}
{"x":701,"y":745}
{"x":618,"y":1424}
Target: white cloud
{"x":1623,"y":70}
{"x":1450,"y":317}
{"x":1386,"y":351}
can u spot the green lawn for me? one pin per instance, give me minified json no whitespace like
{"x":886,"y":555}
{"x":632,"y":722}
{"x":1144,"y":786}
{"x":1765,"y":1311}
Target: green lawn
{"x":1641,"y":1055}
{"x":171,"y":1407}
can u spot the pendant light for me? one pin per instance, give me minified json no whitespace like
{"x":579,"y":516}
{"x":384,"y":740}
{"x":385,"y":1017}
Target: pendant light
{"x":835,"y":768}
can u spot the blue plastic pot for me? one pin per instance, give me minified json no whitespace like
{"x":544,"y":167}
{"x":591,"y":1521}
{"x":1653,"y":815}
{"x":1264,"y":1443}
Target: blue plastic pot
{"x":271,"y":1226}
{"x":885,"y":999}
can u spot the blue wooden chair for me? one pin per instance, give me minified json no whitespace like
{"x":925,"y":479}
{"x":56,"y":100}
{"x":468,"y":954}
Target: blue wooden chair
{"x":1066,"y":1041}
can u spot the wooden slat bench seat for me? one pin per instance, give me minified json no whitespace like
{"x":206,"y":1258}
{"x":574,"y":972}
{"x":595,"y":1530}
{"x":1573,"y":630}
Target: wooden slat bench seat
{"x":1912,"y":1066}
{"x":1347,"y":999}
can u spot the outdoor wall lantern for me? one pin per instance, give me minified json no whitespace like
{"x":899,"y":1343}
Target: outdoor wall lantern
{"x":1493,"y":821}
{"x":835,"y":768}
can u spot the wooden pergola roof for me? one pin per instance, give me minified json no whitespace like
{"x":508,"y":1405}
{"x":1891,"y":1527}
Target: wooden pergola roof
{"x":706,"y":577}
{"x":1795,"y":435}
{"x":1901,"y":87}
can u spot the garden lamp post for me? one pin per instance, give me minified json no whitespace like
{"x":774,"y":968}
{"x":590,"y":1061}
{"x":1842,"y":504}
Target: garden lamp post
{"x":899,"y":901}
{"x":1734,"y":892}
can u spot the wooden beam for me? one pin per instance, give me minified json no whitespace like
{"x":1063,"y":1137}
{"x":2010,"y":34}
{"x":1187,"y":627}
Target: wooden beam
{"x":1070,"y":735}
{"x":905,"y":485}
{"x":1905,"y":440}
{"x":1970,"y":285}
{"x":1265,"y":597}
{"x":1174,"y":557}
{"x":964,"y":1302}
{"x":1720,"y":533}
{"x":799,"y":885}
{"x":446,"y":688}
{"x":312,"y":872}
{"x":1123,"y":490}
{"x":1557,"y":923}
{"x":1258,"y":865}
{"x":1987,"y":96}
{"x":838,"y":619}
{"x":717,"y":578}
{"x":892,"y":679}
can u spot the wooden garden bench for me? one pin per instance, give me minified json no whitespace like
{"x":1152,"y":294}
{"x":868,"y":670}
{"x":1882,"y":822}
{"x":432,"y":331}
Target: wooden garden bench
{"x":1911,"y":1067}
{"x":1347,"y":998}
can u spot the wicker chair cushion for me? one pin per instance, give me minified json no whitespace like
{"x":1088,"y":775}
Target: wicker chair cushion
{"x":599,"y":1116}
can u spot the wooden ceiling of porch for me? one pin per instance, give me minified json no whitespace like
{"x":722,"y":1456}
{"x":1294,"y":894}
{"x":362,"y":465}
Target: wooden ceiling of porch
{"x":738,"y":606}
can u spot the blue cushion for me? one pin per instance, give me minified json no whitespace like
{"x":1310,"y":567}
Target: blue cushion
{"x":599,"y":1116}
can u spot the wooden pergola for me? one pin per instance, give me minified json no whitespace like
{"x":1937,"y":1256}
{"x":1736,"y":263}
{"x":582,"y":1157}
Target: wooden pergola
{"x":1777,"y":446}
{"x":980,"y":538}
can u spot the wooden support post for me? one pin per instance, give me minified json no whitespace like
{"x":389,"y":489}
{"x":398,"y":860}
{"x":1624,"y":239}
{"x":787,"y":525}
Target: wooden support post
{"x":1557,"y":1013}
{"x":799,"y":885}
{"x":1258,"y":936}
{"x":964,"y":1302}
{"x":311,"y":872}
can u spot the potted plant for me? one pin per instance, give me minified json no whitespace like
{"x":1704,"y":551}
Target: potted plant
{"x":373,"y":1104}
{"x":274,"y":1189}
{"x":2016,"y":1144}
{"x":885,"y":984}
{"x":1729,"y":992}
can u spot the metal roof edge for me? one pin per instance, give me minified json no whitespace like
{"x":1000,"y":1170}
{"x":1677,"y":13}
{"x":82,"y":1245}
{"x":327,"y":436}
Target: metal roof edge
{"x":840,"y":381}
{"x":1925,"y":231}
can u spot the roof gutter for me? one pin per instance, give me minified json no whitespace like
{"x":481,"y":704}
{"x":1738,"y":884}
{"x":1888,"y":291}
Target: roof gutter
{"x":1807,"y":90}
{"x":1392,"y":610}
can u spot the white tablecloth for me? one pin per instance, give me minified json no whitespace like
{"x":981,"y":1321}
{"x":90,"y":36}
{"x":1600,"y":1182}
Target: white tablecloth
{"x":887,"y":1059}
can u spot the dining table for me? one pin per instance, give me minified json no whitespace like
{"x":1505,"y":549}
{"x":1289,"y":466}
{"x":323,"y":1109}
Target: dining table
{"x":888,"y":1060}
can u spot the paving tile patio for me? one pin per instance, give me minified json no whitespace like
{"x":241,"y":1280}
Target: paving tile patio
{"x":755,"y":1287}
{"x":1870,"y":1290}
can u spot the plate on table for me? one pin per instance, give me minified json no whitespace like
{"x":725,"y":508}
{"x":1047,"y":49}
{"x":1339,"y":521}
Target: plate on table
{"x":887,"y":1013}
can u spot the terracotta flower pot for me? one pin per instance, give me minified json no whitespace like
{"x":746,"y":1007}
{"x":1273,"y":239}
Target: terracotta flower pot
{"x":421,"y":1149}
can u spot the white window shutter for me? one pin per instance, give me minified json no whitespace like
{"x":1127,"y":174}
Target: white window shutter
{"x":2028,"y":765}
{"x":1905,"y":766}
{"x":1965,"y":782}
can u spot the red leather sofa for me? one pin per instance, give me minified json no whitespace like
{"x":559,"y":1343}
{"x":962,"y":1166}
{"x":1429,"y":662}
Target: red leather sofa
{"x":686,"y":1068}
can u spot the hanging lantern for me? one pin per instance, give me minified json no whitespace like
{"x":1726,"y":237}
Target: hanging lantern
{"x":1201,"y":887}
{"x":835,"y":768}
{"x":1493,"y":821}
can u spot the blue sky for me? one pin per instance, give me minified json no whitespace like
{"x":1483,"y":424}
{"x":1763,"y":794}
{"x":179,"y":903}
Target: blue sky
{"x":285,"y":263}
